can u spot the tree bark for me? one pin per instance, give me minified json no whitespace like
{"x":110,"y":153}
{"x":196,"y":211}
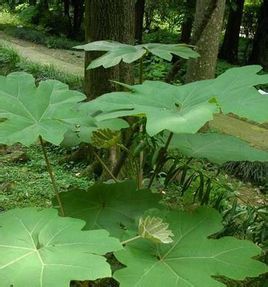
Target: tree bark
{"x":32,"y":2}
{"x":187,"y":24}
{"x":139,"y":15}
{"x":206,"y":36}
{"x":78,"y":14}
{"x":108,"y":20}
{"x":229,"y":49}
{"x":259,"y":53}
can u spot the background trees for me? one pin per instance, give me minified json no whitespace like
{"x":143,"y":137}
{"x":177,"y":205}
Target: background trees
{"x":206,"y":37}
{"x":113,"y":20}
{"x":259,"y":53}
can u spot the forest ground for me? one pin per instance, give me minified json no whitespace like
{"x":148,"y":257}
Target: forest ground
{"x":68,"y":61}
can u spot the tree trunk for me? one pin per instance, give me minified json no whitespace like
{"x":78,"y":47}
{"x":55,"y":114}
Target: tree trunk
{"x":259,"y":53}
{"x":206,"y":36}
{"x":186,"y":30}
{"x":32,"y":2}
{"x":139,"y":15}
{"x":229,"y":49}
{"x":78,"y":14}
{"x":44,"y":6}
{"x":66,"y":6}
{"x":187,"y":24}
{"x":108,"y":20}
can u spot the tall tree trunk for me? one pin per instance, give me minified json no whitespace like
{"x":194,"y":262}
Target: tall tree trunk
{"x":66,"y":8}
{"x":139,"y":15}
{"x":32,"y":2}
{"x":108,"y":20}
{"x":77,"y":17}
{"x":186,"y":30}
{"x":187,"y":24}
{"x":259,"y":53}
{"x":206,"y":36}
{"x":229,"y":49}
{"x":44,"y":5}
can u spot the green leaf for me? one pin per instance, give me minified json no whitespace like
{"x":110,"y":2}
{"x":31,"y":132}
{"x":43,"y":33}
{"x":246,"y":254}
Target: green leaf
{"x":83,"y":133}
{"x":236,"y":92}
{"x":41,"y":249}
{"x":154,"y":229}
{"x":163,"y":105}
{"x":217,"y":148}
{"x":192,"y":259}
{"x":110,"y":206}
{"x":106,"y":138}
{"x":48,"y":110}
{"x":186,"y":108}
{"x":165,"y":51}
{"x":117,"y":52}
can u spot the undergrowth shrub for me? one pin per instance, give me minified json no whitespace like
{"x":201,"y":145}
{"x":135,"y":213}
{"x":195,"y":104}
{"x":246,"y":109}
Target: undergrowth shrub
{"x":254,"y":172}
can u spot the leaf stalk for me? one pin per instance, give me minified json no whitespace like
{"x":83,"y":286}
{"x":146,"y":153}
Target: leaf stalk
{"x":51,"y":175}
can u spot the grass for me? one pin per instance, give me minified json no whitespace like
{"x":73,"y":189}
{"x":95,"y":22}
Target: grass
{"x":10,"y":61}
{"x":26,"y":183}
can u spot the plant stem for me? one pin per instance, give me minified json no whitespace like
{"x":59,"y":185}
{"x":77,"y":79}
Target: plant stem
{"x":141,"y":160}
{"x":51,"y":175}
{"x":160,"y":159}
{"x":141,"y":156}
{"x":130,"y":240}
{"x":141,"y":70}
{"x":105,"y":166}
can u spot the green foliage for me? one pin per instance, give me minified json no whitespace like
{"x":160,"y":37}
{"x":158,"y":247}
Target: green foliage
{"x":164,"y":105}
{"x":117,"y":52}
{"x":106,"y":138}
{"x":25,"y":182}
{"x":8,"y":60}
{"x":154,"y":229}
{"x":30,"y":111}
{"x":192,"y":257}
{"x":255,"y":172}
{"x":161,"y":36}
{"x":48,"y":250}
{"x":217,"y":148}
{"x":234,"y":92}
{"x":52,"y":111}
{"x":111,"y":206}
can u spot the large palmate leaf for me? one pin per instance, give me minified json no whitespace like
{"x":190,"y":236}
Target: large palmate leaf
{"x":48,"y":110}
{"x":83,"y":133}
{"x":117,"y":52}
{"x":163,"y":105}
{"x":84,"y":129}
{"x":110,"y":206}
{"x":41,"y":249}
{"x":192,"y":259}
{"x":236,"y":92}
{"x":217,"y":148}
{"x":184,"y":109}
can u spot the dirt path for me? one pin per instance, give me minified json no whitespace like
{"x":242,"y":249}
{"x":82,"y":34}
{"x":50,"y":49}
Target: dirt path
{"x":71,"y":62}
